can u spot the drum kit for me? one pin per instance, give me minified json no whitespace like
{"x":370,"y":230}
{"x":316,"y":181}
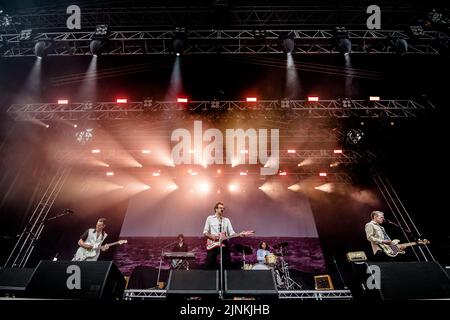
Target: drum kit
{"x":275,"y":261}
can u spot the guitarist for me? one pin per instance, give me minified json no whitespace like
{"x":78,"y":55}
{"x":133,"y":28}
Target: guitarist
{"x":377,"y":235}
{"x":93,"y":238}
{"x":215,"y":226}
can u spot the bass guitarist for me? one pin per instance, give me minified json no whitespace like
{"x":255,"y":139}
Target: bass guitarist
{"x":377,"y":236}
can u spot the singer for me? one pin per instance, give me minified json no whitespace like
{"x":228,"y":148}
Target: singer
{"x":216,"y":228}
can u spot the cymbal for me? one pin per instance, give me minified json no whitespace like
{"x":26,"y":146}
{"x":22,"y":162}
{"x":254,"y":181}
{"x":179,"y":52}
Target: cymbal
{"x":281,"y":245}
{"x":242,"y":249}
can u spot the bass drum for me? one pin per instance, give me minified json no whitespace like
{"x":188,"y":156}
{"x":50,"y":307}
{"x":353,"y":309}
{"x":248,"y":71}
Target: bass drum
{"x":260,"y":266}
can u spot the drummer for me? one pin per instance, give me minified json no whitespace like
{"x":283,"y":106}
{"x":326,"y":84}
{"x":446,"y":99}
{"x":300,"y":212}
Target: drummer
{"x":262,"y":252}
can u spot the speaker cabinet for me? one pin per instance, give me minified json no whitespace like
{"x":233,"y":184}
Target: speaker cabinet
{"x":13,"y":281}
{"x":193,"y":283}
{"x":250,"y":283}
{"x":76,"y":280}
{"x":410,"y":280}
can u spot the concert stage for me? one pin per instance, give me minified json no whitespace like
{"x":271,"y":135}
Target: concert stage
{"x":279,"y":152}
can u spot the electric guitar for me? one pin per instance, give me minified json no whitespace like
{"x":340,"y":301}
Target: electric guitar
{"x":84,"y":254}
{"x":211,"y":244}
{"x":393,"y":249}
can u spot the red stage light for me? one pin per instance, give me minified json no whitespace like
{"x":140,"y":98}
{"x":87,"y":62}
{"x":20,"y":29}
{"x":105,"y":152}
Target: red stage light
{"x":146,"y":151}
{"x":156,"y":174}
{"x":182,"y":100}
{"x":110,"y":173}
{"x":219,"y":171}
{"x":95,"y":151}
{"x":337,"y":151}
{"x":122,"y":100}
{"x":282,"y":173}
{"x":63,"y":101}
{"x":313,"y":98}
{"x":243,"y":173}
{"x":374,"y":98}
{"x":251,"y":99}
{"x":323,"y":174}
{"x":291,"y":151}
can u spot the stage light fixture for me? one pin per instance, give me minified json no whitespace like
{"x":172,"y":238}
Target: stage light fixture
{"x":41,"y":48}
{"x":288,"y":44}
{"x":400,"y":45}
{"x":343,"y":41}
{"x":25,"y":35}
{"x":85,"y":136}
{"x":260,"y":34}
{"x":346,"y":103}
{"x":179,"y":40}
{"x":251,"y":99}
{"x":101,"y":31}
{"x":312,"y":99}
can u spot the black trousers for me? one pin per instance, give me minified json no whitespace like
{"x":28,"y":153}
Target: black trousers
{"x":213,"y":263}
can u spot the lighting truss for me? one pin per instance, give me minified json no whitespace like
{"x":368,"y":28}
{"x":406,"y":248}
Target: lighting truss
{"x":298,"y":109}
{"x":311,"y":41}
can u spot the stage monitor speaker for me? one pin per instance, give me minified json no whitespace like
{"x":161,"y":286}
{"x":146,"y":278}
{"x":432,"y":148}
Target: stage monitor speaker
{"x":13,"y":281}
{"x":412,"y":280}
{"x":250,"y":283}
{"x":193,"y":282}
{"x":76,"y":280}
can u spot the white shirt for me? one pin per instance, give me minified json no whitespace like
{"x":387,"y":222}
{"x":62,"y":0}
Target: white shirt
{"x":212,"y":226}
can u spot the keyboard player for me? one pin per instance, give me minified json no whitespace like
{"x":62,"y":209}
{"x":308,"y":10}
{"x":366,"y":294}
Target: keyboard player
{"x":180,"y":246}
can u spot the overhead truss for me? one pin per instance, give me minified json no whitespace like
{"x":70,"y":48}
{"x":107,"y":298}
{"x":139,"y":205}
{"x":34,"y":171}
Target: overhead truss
{"x":235,"y":16}
{"x":281,"y":110}
{"x":310,"y":41}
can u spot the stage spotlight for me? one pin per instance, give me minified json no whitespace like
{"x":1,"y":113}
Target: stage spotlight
{"x":121,"y":100}
{"x":251,"y":99}
{"x":63,"y":101}
{"x":95,"y":151}
{"x":204,"y":187}
{"x":41,"y":48}
{"x":96,"y":46}
{"x":84,"y":136}
{"x":312,"y":99}
{"x":343,"y":41}
{"x":182,"y":100}
{"x":101,"y":31}
{"x":282,"y":173}
{"x":242,"y":173}
{"x":322,"y":174}
{"x":146,"y":151}
{"x":288,"y":44}
{"x":327,"y":187}
{"x":400,"y":45}
{"x":25,"y":35}
{"x":233,"y":187}
{"x":346,"y":103}
{"x":47,"y":126}
{"x":179,"y":40}
{"x":291,"y":151}
{"x":109,"y":174}
{"x":354,"y":136}
{"x":345,"y":46}
{"x":156,"y":174}
{"x":374,"y":98}
{"x":337,"y":151}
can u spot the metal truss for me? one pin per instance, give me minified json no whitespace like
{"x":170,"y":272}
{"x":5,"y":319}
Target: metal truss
{"x":316,"y":295}
{"x":32,"y":231}
{"x":282,"y":294}
{"x":201,"y":16}
{"x":281,"y":110}
{"x":312,"y":41}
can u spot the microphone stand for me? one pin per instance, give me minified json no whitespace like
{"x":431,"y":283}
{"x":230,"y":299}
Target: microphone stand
{"x":400,"y":227}
{"x":221,"y":261}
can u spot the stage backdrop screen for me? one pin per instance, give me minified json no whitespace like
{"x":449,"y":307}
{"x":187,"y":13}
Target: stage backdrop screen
{"x":154,"y":219}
